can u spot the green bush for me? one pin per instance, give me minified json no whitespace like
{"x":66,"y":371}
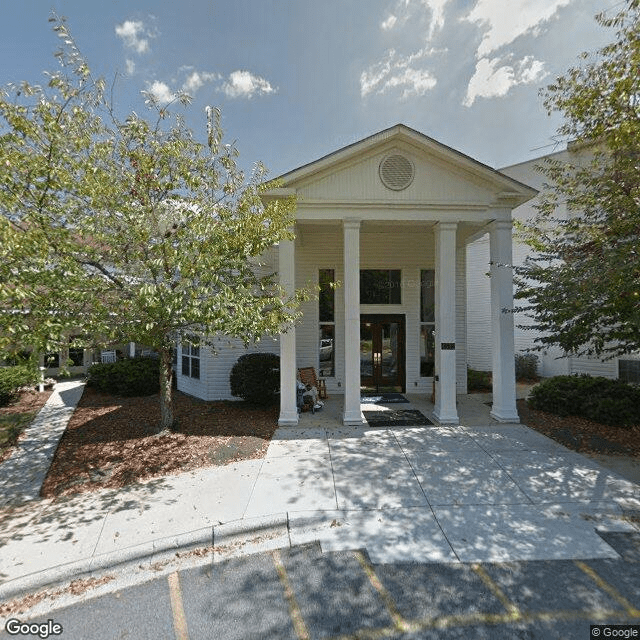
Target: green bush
{"x":478,"y":381}
{"x":610,"y":402}
{"x":526,"y":366}
{"x":131,"y":377}
{"x":12,"y":378}
{"x":256,"y":378}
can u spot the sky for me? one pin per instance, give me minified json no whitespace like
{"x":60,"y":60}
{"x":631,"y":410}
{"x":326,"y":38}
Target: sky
{"x":297,"y":79}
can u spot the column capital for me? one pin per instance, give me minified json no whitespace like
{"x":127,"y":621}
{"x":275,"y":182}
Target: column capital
{"x":501,"y":224}
{"x":447,"y":226}
{"x":352,"y":223}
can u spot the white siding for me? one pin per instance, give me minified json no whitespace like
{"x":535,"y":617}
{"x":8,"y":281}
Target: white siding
{"x":435,"y":181}
{"x":552,"y":360}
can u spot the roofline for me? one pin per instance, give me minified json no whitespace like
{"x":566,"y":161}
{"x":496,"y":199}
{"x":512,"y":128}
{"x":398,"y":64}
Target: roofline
{"x":402,"y":128}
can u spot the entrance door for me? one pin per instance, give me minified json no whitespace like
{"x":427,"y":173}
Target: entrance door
{"x":382,"y":353}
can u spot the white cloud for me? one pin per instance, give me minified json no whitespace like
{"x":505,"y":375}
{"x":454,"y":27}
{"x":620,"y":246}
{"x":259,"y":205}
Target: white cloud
{"x":398,"y":72}
{"x":131,"y":67}
{"x":437,"y":14}
{"x":492,"y":81}
{"x":135,"y":35}
{"x":243,"y":84}
{"x":161,"y":92}
{"x":505,"y":20}
{"x":196,"y":79}
{"x":389,"y":22}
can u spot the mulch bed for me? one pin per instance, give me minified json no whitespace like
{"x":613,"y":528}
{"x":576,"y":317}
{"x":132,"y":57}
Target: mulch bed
{"x":28,"y":402}
{"x":582,"y":435}
{"x":112,"y":441}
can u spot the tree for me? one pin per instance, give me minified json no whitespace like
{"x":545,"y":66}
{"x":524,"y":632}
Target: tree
{"x":583,"y":286}
{"x":129,"y":229}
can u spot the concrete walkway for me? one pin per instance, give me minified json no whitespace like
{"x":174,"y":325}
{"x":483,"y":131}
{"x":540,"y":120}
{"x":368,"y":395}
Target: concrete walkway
{"x":479,"y":491}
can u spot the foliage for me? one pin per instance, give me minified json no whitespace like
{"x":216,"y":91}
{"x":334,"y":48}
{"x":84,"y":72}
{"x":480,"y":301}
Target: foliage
{"x":526,"y":366}
{"x":11,"y":426}
{"x":130,"y":377}
{"x":256,"y":378}
{"x":600,"y":399}
{"x":13,"y":378}
{"x":583,"y":286}
{"x":478,"y":381}
{"x":129,"y":229}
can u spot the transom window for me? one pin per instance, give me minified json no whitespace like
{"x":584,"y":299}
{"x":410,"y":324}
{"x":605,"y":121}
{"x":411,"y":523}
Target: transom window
{"x":380,"y":286}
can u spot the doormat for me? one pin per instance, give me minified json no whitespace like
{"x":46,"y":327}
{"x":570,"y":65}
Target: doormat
{"x":396,"y":418}
{"x":384,"y":398}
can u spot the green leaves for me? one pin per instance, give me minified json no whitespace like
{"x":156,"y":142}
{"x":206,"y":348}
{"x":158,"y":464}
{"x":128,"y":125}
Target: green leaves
{"x":582,"y":284}
{"x":128,"y":229}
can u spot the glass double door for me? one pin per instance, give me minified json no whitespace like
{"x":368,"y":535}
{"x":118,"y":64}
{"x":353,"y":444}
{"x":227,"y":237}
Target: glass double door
{"x":382,"y":353}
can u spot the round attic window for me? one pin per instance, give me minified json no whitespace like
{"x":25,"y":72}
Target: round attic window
{"x":396,"y":172}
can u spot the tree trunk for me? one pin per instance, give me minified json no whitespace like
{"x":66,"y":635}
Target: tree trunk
{"x":166,"y":378}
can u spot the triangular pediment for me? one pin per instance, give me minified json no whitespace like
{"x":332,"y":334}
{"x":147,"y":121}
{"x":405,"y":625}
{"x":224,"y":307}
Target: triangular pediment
{"x":400,"y":165}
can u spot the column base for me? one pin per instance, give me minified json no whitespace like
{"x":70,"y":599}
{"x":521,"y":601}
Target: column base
{"x":445,"y":418}
{"x":501,"y":415}
{"x":353,"y":419}
{"x":288,"y":419}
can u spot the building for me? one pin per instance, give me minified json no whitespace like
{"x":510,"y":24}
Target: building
{"x":388,"y":219}
{"x":552,"y":361}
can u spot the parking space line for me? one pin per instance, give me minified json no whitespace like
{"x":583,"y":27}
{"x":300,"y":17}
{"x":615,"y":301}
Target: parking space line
{"x":511,"y":608}
{"x":399,"y":622}
{"x":294,"y":609}
{"x":177,"y":607}
{"x":491,"y":619}
{"x":612,"y":591}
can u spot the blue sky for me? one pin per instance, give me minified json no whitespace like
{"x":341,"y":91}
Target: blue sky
{"x":297,"y":79}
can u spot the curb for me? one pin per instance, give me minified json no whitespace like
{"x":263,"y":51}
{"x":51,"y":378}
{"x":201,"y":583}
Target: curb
{"x":233,"y":536}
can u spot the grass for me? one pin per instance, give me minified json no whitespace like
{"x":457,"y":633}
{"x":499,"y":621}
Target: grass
{"x":11,"y":426}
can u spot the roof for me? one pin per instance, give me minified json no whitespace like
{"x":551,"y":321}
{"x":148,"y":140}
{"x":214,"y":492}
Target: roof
{"x":401,"y":132}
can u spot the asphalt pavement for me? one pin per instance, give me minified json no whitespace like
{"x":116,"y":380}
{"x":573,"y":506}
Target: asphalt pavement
{"x":301,"y":593}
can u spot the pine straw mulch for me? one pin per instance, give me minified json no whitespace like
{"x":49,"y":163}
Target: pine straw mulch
{"x":112,"y":441}
{"x":22,"y":410}
{"x":582,"y":435}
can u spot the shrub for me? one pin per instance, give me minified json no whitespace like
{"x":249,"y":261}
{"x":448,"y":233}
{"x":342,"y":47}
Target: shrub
{"x":526,"y":366}
{"x":256,"y":378}
{"x":478,"y":381}
{"x":12,"y":378}
{"x":131,"y":377}
{"x":610,"y":402}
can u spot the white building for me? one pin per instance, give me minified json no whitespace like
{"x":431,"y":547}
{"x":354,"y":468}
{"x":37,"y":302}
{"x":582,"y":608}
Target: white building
{"x":389,"y":219}
{"x":553,"y":361}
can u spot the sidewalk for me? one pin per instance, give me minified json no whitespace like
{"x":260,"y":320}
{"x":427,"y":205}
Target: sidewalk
{"x":472,"y":493}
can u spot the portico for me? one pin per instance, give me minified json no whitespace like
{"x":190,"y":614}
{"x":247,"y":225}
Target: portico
{"x":381,"y":229}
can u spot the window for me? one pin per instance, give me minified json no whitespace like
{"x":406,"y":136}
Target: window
{"x":380,"y":286}
{"x":76,"y":354}
{"x":191,"y":357}
{"x":52,"y":360}
{"x":427,"y":323}
{"x":327,"y":326}
{"x":629,"y":370}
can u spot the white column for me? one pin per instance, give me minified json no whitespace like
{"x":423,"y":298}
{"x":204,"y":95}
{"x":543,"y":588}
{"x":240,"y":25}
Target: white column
{"x":504,"y":373}
{"x":132,"y":349}
{"x":352,"y":414}
{"x":445,"y":411}
{"x":288,"y":371}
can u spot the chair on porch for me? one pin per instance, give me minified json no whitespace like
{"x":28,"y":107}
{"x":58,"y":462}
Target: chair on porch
{"x":308,"y":377}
